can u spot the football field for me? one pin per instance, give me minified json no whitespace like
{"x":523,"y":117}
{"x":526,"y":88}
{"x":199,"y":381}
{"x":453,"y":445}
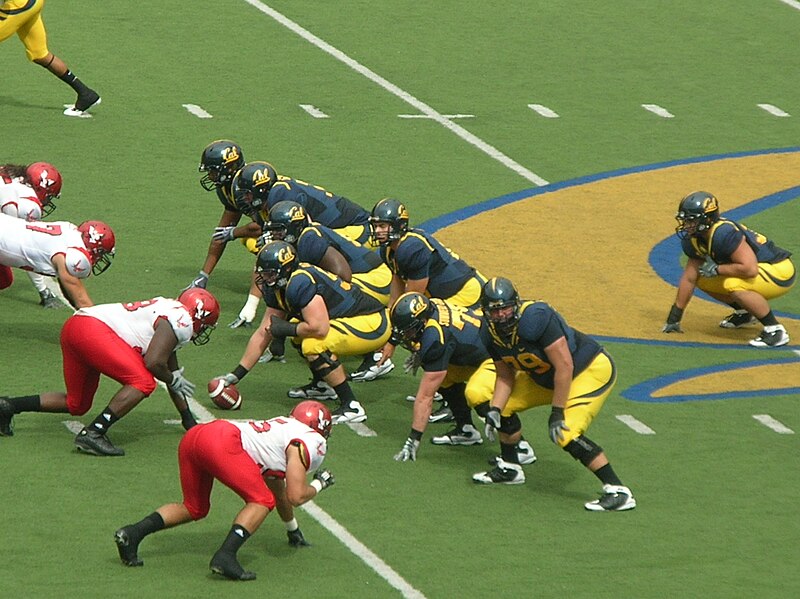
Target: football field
{"x":546,"y":141}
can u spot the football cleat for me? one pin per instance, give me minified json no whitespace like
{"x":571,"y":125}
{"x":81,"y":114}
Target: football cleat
{"x":352,"y":412}
{"x":47,"y":299}
{"x":443,"y":414}
{"x":268,"y":356}
{"x":615,"y":498}
{"x":313,"y":390}
{"x":87,"y":100}
{"x":466,"y":435}
{"x":91,"y":442}
{"x":503,"y":473}
{"x":6,"y":418}
{"x":368,"y":370}
{"x":227,"y":565}
{"x":772,"y":336}
{"x":525,"y":454}
{"x":436,"y":397}
{"x":740,"y":318}
{"x":128,"y":547}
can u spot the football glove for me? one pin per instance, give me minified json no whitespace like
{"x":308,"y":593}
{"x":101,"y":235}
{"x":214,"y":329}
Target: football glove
{"x":492,"y":420}
{"x":223,"y":234}
{"x":296,"y":538}
{"x":556,"y":425}
{"x":408,"y":452}
{"x":181,"y":385}
{"x":230,"y":378}
{"x":709,"y":268}
{"x":412,"y":363}
{"x":322,"y":480}
{"x":201,"y":280}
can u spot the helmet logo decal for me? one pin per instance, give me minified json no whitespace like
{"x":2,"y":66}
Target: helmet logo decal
{"x":44,"y":181}
{"x":200,"y":313}
{"x":229,"y":155}
{"x":95,"y":237}
{"x":285,"y":255}
{"x":417,"y":306}
{"x":261,"y":177}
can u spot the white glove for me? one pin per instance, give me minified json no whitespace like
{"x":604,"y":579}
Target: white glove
{"x":411,"y":363}
{"x":322,"y":480}
{"x":230,"y":379}
{"x":492,"y":421}
{"x":408,"y":452}
{"x":181,"y":385}
{"x":224,"y":234}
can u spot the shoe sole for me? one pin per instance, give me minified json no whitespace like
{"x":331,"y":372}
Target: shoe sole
{"x":781,"y":343}
{"x":93,"y":451}
{"x":516,"y":481}
{"x":594,"y":507}
{"x":357,"y":377}
{"x":310,"y":396}
{"x":448,"y":441}
{"x":526,"y":461}
{"x":729,"y":325}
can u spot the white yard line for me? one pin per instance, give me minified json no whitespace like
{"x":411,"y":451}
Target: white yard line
{"x":359,"y":549}
{"x":197,"y":111}
{"x":773,"y":110}
{"x":773,"y":424}
{"x":637,"y":425}
{"x":447,"y":116}
{"x":403,"y":95}
{"x":543,"y":111}
{"x":792,"y":3}
{"x":313,"y":111}
{"x":658,"y":110}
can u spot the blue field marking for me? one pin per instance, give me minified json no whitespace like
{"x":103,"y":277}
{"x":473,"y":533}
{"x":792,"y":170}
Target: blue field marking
{"x":644,"y":391}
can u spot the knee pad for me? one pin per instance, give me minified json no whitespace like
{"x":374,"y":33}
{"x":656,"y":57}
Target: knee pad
{"x":582,"y":449}
{"x":324,"y":364}
{"x":510,"y":424}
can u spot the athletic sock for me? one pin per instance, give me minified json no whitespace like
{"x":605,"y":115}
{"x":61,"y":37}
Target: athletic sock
{"x":27,"y":403}
{"x":769,"y":320}
{"x":607,"y":475}
{"x":103,"y":422}
{"x":508,"y":451}
{"x":70,"y":79}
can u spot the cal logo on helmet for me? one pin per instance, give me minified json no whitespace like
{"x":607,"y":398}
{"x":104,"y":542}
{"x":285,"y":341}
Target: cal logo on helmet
{"x":285,"y":255}
{"x":417,"y":306}
{"x":297,"y":214}
{"x":261,"y":177}
{"x":230,"y":155}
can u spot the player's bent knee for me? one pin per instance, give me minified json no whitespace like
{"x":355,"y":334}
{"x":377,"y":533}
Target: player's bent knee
{"x":510,"y":424}
{"x":582,"y":449}
{"x":197,"y":512}
{"x":324,"y":364}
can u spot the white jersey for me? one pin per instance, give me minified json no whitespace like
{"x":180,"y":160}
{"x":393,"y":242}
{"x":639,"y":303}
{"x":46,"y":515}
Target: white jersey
{"x":136,"y":322}
{"x":19,"y":199}
{"x":33,"y":245}
{"x":266,"y":442}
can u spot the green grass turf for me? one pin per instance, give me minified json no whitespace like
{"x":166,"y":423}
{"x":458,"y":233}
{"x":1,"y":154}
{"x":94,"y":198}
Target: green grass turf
{"x":715,"y":488}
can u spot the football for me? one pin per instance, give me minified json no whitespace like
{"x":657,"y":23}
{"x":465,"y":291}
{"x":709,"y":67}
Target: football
{"x":226,"y":398}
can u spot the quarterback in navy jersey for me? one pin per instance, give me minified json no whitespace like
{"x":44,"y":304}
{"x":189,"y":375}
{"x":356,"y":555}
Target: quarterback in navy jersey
{"x":540,"y":360}
{"x":733,"y":264}
{"x":325,"y":317}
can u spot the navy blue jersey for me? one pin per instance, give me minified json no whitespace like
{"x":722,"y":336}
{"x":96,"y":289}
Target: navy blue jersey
{"x":419,"y":256}
{"x":452,"y":335}
{"x":723,"y":239}
{"x":322,"y":206}
{"x":342,"y":299}
{"x":225,"y":196}
{"x":538,"y":327}
{"x":315,"y":240}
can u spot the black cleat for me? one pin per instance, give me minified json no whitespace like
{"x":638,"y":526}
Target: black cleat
{"x":227,"y":565}
{"x":6,"y":418}
{"x":128,"y":547}
{"x":87,"y":100}
{"x":92,"y":442}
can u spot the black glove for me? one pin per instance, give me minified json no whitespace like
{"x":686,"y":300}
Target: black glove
{"x":296,"y":538}
{"x":282,"y":328}
{"x":556,"y":425}
{"x":201,"y":280}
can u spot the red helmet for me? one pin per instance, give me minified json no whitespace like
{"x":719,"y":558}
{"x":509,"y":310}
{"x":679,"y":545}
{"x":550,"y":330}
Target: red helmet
{"x":100,"y":242}
{"x":46,"y":182}
{"x":313,"y":414}
{"x":204,"y":310}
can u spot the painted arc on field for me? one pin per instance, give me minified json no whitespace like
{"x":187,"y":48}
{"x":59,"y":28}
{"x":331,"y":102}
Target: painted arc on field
{"x":602,"y":250}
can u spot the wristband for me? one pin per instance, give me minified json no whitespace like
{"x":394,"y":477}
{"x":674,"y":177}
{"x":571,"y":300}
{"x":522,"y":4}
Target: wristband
{"x":415,"y":435}
{"x":240,"y":371}
{"x":675,"y":314}
{"x":317,"y":485}
{"x":557,"y":412}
